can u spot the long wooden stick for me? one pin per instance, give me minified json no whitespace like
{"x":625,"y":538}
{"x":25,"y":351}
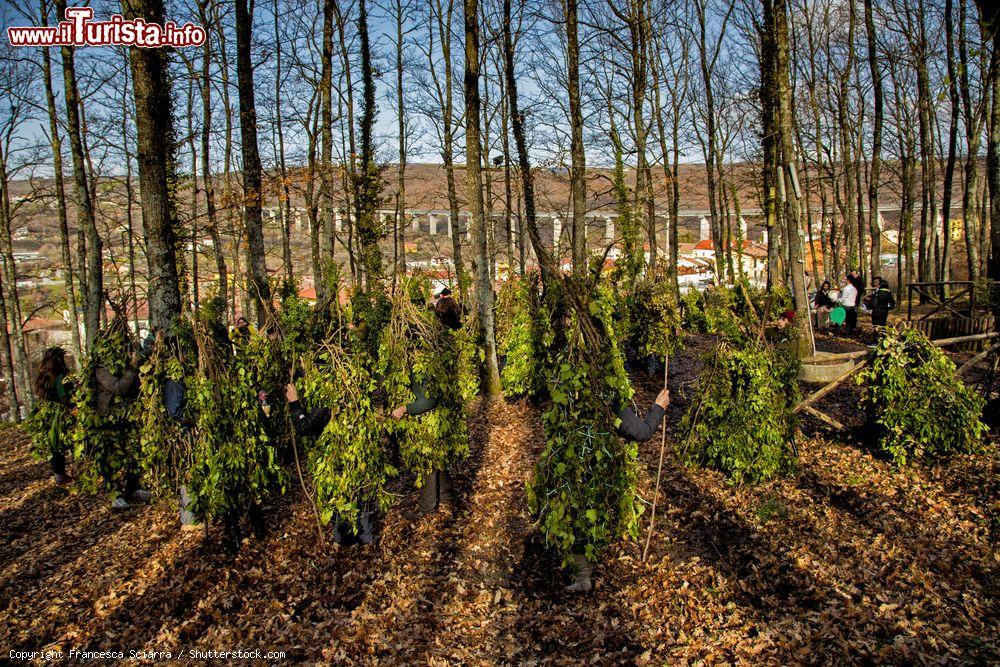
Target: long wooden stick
{"x":659,"y":468}
{"x":812,"y":398}
{"x":941,"y":342}
{"x":968,"y":365}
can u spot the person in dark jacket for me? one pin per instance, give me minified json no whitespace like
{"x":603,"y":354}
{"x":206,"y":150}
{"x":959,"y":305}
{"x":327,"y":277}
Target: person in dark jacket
{"x":126,"y":387}
{"x":882,"y":301}
{"x":641,"y":430}
{"x":448,"y":311}
{"x":51,"y":385}
{"x":823,"y":304}
{"x":306,"y":423}
{"x":436,"y":486}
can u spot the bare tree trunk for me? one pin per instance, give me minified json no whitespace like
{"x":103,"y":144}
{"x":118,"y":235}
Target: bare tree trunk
{"x":473,"y":167}
{"x":399,"y":240}
{"x":192,"y":146}
{"x":524,"y":163}
{"x":991,"y":16}
{"x":206,"y":172}
{"x":873,"y":179}
{"x":12,"y":306}
{"x":326,"y":152}
{"x":155,"y":130}
{"x":60,"y":192}
{"x":786,"y":124}
{"x":285,"y":202}
{"x":350,"y":161}
{"x":578,"y":171}
{"x":85,"y":210}
{"x":252,"y":194}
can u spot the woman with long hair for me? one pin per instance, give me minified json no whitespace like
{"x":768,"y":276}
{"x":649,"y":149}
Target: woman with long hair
{"x":53,"y":389}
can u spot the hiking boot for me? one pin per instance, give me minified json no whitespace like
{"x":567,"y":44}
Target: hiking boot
{"x":446,"y":490}
{"x":581,"y":582}
{"x":141,"y":495}
{"x":257,"y":524}
{"x":366,"y":536}
{"x":232,"y":538}
{"x":428,"y":493}
{"x":120,"y":504}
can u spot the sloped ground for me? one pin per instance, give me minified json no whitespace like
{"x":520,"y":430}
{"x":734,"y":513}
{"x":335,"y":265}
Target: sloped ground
{"x":847,"y":561}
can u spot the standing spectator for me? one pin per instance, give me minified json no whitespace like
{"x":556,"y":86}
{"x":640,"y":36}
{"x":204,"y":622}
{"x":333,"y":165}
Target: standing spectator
{"x":823,"y":305}
{"x":849,"y":302}
{"x":448,"y":311}
{"x":882,"y":301}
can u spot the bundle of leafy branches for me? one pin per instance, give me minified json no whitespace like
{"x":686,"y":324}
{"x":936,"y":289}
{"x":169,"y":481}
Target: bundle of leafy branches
{"x":650,"y":319}
{"x":346,"y":461}
{"x":914,"y":404}
{"x":740,"y":420}
{"x":370,"y":311}
{"x":583,"y":490}
{"x":415,"y":348}
{"x":104,"y":446}
{"x":692,"y":308}
{"x":45,"y":425}
{"x":527,"y":320}
{"x":166,"y":449}
{"x":235,"y":460}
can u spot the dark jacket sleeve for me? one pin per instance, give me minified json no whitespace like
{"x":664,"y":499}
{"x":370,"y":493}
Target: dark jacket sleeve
{"x":639,"y":430}
{"x":423,"y":402}
{"x":119,"y":386}
{"x":174,"y":400}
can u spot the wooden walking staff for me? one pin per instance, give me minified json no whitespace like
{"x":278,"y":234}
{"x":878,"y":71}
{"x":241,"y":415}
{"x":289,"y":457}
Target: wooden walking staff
{"x":659,"y":468}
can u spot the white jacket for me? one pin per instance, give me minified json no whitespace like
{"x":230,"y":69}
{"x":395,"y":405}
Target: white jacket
{"x":849,"y":296}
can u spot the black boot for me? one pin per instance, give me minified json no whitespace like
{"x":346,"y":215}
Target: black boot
{"x":428,"y":493}
{"x":366,"y":536}
{"x":256,"y":516}
{"x":232,"y":538}
{"x":446,"y":491}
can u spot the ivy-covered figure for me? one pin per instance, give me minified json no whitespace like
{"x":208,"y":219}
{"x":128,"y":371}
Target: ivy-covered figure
{"x":584,"y":488}
{"x":167,"y":436}
{"x":343,"y":433}
{"x":424,"y":377}
{"x":741,"y":422}
{"x":527,"y":336}
{"x":105,"y":430}
{"x":49,"y":420}
{"x":236,"y":463}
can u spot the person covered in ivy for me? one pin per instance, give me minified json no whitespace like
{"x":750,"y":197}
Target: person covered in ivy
{"x":176,"y":404}
{"x":436,"y":486}
{"x":55,"y":392}
{"x":882,"y":301}
{"x":583,"y":490}
{"x":114,"y":394}
{"x":428,"y":368}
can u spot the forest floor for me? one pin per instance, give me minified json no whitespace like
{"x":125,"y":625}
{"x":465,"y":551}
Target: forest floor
{"x":847,"y":560}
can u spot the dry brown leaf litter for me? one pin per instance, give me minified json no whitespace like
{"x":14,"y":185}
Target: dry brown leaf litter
{"x":846,"y":561}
